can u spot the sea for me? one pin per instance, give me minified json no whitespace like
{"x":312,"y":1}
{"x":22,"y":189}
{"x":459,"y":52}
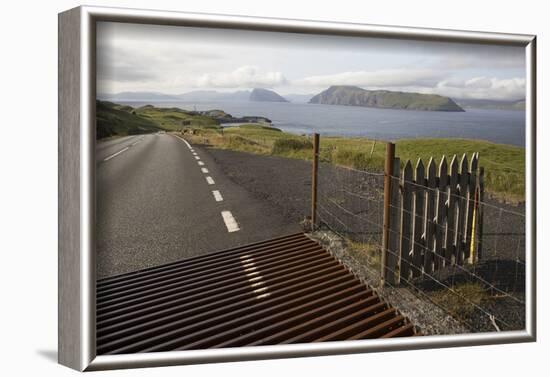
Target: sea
{"x":497,"y":126}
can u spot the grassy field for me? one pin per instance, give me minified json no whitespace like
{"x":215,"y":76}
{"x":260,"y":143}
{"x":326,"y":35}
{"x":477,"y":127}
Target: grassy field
{"x":172,"y":119}
{"x":504,"y":164}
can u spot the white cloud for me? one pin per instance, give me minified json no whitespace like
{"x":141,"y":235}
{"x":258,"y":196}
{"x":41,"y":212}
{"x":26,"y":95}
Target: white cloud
{"x":174,"y":60}
{"x":481,"y":57}
{"x":483,"y":87}
{"x":380,"y":78}
{"x":422,"y":81}
{"x":243,"y":77}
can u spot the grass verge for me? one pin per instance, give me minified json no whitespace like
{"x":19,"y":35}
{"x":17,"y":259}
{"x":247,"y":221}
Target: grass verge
{"x":504,"y":164}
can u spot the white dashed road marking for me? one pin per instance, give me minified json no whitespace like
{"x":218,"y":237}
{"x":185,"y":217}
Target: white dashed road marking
{"x":116,"y":154}
{"x":230,"y":222}
{"x":124,"y":149}
{"x":217,"y":196}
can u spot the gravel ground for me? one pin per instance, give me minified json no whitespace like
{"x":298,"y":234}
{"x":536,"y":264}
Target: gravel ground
{"x":350,"y":202}
{"x":283,"y":182}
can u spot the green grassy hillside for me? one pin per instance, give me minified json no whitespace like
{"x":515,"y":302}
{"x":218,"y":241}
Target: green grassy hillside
{"x":120,"y":120}
{"x":173,"y":119}
{"x":117,"y":120}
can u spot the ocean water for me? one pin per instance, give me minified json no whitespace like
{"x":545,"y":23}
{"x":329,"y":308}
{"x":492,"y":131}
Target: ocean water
{"x":498,"y":126}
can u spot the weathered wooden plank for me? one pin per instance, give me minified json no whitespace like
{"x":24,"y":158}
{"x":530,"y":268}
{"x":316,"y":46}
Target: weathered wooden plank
{"x":441,"y":215}
{"x":481,"y":191}
{"x":429,"y":223}
{"x":405,"y":245}
{"x":314,"y":180}
{"x":388,"y":173}
{"x":470,"y":202}
{"x":419,"y":210}
{"x":461,"y":225}
{"x":393,"y":244}
{"x":451,"y":211}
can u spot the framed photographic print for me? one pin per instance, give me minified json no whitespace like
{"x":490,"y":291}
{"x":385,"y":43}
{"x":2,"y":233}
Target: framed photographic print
{"x":237,"y":188}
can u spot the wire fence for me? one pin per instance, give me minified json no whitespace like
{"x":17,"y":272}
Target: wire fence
{"x":485,"y":295}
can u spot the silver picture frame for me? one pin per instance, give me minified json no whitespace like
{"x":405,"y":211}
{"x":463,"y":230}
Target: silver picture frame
{"x":76,"y":268}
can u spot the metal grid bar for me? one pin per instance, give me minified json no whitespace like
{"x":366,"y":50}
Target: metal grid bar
{"x":280,"y":291}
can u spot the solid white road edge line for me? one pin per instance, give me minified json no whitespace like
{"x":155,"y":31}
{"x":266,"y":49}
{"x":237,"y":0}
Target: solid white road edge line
{"x":116,"y":154}
{"x":185,"y":141}
{"x":204,"y":170}
{"x":230,"y":222}
{"x":210,"y":180}
{"x":217,"y":195}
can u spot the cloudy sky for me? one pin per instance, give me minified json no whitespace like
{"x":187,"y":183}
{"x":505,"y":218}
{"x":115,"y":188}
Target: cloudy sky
{"x":176,"y":60}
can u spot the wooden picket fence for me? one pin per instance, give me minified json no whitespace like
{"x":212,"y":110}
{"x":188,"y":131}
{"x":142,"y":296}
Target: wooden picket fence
{"x":435,"y":219}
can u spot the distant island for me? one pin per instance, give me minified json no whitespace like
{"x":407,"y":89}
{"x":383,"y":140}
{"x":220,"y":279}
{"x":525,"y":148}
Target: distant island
{"x":335,"y":95}
{"x":489,"y":104}
{"x":265,"y":95}
{"x":254,"y":95}
{"x":355,"y":96}
{"x":214,"y":96}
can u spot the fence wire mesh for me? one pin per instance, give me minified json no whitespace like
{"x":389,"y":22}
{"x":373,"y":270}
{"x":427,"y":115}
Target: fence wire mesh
{"x":485,"y":295}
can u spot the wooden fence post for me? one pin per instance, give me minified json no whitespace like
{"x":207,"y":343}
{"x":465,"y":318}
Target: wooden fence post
{"x":392,"y":256}
{"x":314,"y":181}
{"x":388,"y":174}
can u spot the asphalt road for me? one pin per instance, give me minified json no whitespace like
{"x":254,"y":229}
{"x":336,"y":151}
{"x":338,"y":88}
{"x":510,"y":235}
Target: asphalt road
{"x":160,"y":200}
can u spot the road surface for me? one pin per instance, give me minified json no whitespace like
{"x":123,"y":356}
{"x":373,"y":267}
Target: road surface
{"x":160,"y":199}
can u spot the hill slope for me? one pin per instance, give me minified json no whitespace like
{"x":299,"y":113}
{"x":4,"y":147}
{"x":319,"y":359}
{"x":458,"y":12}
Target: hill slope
{"x":119,"y":120}
{"x":113,"y":119}
{"x":355,"y":96}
